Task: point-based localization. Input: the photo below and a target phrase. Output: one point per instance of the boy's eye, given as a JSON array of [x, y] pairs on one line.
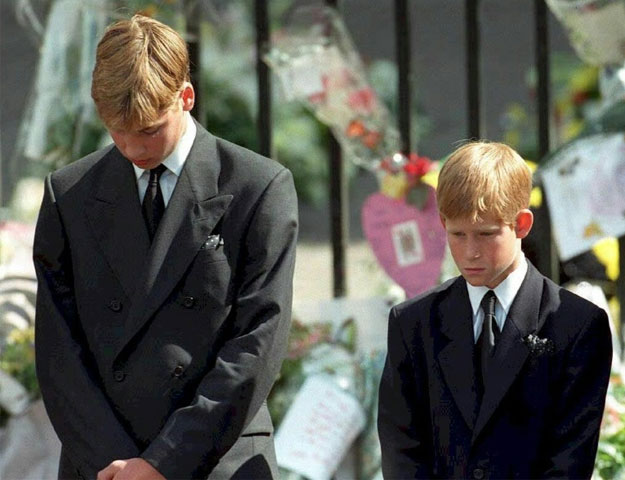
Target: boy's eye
[[457, 234], [487, 234], [151, 131]]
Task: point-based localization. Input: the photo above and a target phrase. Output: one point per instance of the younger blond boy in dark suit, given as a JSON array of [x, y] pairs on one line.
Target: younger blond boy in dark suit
[[498, 373]]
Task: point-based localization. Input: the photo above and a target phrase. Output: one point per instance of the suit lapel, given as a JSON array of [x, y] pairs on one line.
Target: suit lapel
[[457, 325], [193, 211], [525, 316], [114, 214]]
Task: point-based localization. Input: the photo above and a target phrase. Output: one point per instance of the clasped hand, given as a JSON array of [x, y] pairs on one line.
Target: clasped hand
[[130, 469]]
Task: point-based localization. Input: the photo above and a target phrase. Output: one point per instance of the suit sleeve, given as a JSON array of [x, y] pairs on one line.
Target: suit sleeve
[[196, 437], [402, 401], [572, 439], [83, 418]]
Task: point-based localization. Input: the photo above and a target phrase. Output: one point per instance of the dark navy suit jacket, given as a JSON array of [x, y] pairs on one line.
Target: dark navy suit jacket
[[542, 407]]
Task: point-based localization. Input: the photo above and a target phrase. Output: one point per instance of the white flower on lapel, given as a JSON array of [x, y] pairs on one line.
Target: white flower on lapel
[[212, 242], [538, 346]]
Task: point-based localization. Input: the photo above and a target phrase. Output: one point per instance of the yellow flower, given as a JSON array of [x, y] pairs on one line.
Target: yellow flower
[[606, 251]]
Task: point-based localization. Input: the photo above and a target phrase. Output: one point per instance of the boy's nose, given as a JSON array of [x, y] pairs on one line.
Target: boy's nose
[[134, 149], [473, 250]]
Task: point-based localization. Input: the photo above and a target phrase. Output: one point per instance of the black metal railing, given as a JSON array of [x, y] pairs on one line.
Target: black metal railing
[[545, 254]]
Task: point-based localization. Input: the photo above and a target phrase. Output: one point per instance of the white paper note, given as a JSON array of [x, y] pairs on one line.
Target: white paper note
[[318, 429]]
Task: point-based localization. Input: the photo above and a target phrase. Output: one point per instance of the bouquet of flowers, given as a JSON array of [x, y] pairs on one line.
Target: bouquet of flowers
[[318, 65], [325, 391]]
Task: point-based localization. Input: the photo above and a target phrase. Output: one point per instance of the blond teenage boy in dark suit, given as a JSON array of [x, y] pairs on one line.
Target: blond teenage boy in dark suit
[[498, 373], [165, 266]]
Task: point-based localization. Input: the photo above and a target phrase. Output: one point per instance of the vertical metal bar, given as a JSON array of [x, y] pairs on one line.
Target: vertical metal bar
[[473, 67], [620, 294], [263, 121], [548, 261], [542, 67], [402, 45], [338, 211], [193, 45]]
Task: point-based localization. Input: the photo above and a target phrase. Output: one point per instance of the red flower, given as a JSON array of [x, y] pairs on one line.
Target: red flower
[[417, 166], [371, 139], [386, 164], [579, 98]]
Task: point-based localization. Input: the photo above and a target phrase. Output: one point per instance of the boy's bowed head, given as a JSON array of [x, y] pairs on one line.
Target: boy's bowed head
[[141, 67], [483, 199], [141, 88]]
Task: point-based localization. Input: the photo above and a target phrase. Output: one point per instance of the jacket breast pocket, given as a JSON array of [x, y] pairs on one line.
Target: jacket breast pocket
[[208, 281], [211, 254]]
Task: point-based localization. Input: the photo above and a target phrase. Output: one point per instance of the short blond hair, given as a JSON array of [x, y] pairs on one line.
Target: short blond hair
[[141, 66], [484, 178]]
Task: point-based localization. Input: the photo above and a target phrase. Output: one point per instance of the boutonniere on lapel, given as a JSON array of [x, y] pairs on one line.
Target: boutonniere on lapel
[[212, 242], [538, 346]]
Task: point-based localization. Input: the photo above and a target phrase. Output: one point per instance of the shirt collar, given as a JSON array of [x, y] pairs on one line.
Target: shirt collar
[[505, 291], [175, 160]]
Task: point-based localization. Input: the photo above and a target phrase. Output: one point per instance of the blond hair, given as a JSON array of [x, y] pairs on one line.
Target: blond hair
[[141, 66], [484, 178]]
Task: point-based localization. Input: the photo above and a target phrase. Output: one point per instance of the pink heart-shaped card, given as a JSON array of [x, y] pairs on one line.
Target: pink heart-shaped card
[[409, 243]]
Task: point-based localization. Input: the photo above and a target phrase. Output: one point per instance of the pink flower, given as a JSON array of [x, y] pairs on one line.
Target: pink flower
[[363, 99]]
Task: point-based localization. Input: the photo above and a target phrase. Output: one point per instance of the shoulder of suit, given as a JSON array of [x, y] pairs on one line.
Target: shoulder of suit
[[569, 310], [67, 176], [423, 302], [246, 161]]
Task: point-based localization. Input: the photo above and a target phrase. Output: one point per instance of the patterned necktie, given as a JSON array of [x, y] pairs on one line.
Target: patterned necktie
[[153, 205], [490, 333]]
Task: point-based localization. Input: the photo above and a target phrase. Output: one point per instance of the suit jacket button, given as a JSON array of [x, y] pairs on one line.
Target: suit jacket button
[[188, 302], [119, 376], [115, 305], [478, 474], [178, 371]]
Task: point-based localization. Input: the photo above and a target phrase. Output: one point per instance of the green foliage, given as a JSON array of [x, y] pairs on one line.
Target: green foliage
[[300, 144], [18, 359], [610, 461], [575, 93], [228, 113], [383, 76]]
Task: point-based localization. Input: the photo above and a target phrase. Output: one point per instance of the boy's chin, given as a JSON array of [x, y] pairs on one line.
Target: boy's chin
[[481, 282]]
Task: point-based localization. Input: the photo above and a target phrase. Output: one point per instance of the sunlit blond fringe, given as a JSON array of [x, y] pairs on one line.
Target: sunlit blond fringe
[[484, 178], [141, 65]]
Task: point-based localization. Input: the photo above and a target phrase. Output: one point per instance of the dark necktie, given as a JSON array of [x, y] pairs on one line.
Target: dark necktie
[[153, 205], [490, 333]]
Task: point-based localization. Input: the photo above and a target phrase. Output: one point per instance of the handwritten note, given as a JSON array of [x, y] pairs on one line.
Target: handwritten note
[[318, 429], [584, 184]]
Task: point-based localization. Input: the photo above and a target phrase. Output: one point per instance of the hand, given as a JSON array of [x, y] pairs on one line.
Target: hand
[[131, 469]]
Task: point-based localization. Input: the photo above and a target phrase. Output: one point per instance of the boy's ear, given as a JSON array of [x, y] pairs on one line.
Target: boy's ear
[[524, 222], [188, 97], [440, 215]]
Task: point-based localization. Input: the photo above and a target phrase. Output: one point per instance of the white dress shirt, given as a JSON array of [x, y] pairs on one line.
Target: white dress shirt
[[174, 163], [506, 291]]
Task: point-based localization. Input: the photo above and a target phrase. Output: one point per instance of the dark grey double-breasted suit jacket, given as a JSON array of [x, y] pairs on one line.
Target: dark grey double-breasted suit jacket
[[165, 351], [542, 407]]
